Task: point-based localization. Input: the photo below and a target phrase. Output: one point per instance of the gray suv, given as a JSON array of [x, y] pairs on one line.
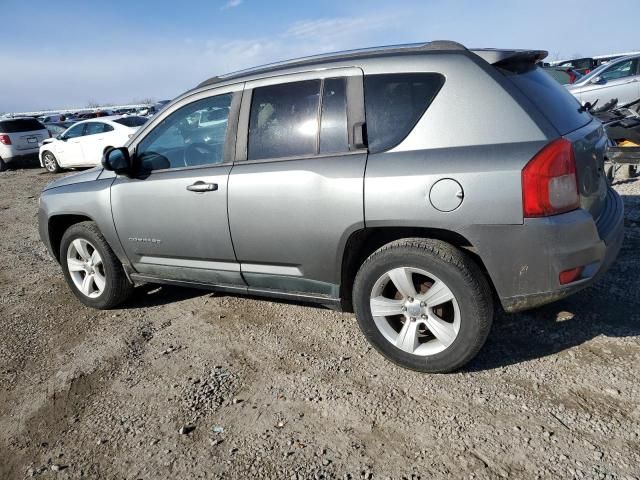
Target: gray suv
[[419, 186]]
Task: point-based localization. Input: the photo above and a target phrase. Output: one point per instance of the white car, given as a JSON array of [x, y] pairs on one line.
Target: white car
[[20, 137], [83, 144]]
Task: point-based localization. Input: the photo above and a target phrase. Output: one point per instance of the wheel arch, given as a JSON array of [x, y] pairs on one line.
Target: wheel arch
[[58, 224], [364, 242]]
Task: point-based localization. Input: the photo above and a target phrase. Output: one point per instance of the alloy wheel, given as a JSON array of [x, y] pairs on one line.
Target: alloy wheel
[[86, 268], [415, 311]]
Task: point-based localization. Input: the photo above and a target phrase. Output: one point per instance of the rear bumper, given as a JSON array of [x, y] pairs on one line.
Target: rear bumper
[[20, 155], [525, 262]]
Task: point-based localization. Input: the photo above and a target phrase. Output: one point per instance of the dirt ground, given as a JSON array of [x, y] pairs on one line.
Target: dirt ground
[[188, 384]]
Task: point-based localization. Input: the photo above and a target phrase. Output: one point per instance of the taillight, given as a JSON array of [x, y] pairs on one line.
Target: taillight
[[5, 139], [572, 77], [549, 181], [570, 276]]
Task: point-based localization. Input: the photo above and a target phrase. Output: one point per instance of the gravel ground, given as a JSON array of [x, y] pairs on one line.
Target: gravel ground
[[188, 384]]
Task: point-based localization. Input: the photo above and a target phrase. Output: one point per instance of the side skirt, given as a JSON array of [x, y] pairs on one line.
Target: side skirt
[[324, 300]]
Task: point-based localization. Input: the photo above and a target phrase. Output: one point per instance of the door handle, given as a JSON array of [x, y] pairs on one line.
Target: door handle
[[202, 187]]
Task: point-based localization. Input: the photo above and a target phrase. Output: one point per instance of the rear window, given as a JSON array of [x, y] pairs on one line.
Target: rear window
[[394, 103], [552, 99], [131, 121], [20, 125]]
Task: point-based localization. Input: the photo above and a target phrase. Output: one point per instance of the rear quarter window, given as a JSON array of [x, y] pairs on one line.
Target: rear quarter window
[[394, 103], [17, 125], [552, 99]]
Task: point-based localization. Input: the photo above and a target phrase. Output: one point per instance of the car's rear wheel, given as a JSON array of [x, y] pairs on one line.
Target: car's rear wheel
[[50, 162], [91, 269], [3, 165], [423, 304]]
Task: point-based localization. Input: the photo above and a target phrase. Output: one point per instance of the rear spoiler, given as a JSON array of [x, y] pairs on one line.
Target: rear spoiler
[[499, 57]]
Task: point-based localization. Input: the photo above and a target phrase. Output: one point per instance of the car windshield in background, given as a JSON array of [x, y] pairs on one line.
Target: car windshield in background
[[131, 121], [552, 99], [20, 125]]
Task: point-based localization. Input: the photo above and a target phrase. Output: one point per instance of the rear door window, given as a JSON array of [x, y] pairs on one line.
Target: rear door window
[[17, 125], [394, 103], [284, 120], [553, 100]]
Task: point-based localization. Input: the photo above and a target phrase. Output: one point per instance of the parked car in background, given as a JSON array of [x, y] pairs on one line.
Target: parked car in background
[[581, 65], [132, 120], [619, 79], [20, 137], [57, 128], [338, 179], [52, 118], [83, 144], [563, 75]]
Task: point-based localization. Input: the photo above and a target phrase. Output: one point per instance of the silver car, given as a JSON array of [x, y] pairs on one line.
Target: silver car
[[618, 79], [420, 186]]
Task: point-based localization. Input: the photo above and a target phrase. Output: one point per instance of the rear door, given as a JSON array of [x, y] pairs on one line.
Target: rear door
[[296, 189]]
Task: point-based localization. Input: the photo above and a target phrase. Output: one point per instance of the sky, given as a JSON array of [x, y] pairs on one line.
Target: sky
[[68, 54]]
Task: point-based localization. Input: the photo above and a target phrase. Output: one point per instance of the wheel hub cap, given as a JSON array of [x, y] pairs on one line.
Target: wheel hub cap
[[414, 309]]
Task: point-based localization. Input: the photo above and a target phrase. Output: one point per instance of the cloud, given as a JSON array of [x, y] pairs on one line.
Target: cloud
[[161, 67], [231, 4]]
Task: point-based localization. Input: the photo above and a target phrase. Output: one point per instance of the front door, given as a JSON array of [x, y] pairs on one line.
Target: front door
[[172, 217], [69, 148], [296, 193]]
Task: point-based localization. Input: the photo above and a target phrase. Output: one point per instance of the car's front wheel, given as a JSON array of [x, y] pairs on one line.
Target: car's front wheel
[[423, 304], [91, 269], [50, 162]]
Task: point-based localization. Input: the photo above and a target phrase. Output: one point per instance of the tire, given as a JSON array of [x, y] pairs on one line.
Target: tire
[[453, 274], [50, 162], [108, 273], [3, 165]]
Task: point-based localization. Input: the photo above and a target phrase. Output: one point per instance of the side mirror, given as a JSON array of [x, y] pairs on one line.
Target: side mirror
[[61, 137], [117, 160], [597, 80]]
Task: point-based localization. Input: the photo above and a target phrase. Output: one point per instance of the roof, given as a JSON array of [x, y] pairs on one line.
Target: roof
[[490, 55]]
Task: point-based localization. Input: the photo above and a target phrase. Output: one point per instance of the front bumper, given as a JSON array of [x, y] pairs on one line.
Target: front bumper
[[524, 261]]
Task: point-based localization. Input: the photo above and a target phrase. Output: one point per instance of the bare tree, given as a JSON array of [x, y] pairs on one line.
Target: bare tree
[[144, 101], [92, 104]]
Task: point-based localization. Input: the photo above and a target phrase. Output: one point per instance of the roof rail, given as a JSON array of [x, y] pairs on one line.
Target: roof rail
[[436, 45]]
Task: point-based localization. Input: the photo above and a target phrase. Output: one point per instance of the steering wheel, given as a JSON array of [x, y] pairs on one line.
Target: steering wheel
[[197, 154]]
